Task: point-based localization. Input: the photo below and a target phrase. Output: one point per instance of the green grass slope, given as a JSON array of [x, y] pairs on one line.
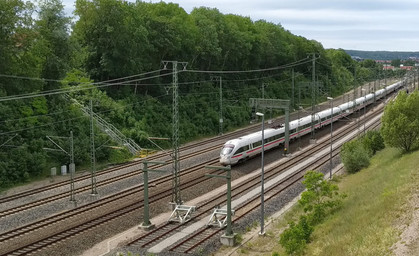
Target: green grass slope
[[368, 223], [377, 198]]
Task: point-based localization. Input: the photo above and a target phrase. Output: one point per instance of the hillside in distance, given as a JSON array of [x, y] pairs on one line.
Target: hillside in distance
[[383, 55]]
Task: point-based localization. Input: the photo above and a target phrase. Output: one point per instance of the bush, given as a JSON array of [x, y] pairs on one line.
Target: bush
[[320, 198], [373, 142], [295, 238], [119, 156], [354, 156]]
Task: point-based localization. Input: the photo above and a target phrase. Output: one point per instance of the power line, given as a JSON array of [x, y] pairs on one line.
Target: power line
[[133, 104], [49, 124], [63, 80], [37, 116], [293, 64], [88, 86], [105, 84]]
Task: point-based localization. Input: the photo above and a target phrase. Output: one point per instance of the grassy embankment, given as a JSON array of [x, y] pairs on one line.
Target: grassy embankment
[[367, 223]]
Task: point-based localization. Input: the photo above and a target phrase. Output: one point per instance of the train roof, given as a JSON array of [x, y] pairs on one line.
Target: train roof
[[256, 136]]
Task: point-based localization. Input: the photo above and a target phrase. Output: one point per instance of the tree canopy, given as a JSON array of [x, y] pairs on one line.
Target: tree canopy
[[114, 49], [400, 121]]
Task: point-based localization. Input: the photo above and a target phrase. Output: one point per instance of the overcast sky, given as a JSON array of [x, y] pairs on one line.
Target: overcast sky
[[373, 25]]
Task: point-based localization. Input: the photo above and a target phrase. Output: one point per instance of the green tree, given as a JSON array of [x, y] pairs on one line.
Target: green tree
[[342, 67], [400, 121], [53, 28], [320, 196], [396, 63], [209, 26], [354, 156]]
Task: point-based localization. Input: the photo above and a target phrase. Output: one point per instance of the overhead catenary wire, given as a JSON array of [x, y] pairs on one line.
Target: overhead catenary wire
[[87, 86], [293, 64], [106, 84], [49, 124], [32, 117], [63, 80], [42, 125], [163, 95]]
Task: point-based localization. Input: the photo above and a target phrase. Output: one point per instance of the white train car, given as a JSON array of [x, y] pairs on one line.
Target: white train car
[[245, 147]]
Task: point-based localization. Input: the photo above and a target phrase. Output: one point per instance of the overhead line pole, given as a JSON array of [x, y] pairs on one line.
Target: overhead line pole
[[219, 78], [72, 167], [221, 106], [292, 89], [176, 196], [93, 150], [313, 95]]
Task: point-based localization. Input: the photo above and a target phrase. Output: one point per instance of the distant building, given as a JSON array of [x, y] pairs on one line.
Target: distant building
[[388, 67], [406, 67]]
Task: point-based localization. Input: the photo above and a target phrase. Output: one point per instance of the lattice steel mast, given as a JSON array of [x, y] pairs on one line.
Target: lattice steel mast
[[176, 196]]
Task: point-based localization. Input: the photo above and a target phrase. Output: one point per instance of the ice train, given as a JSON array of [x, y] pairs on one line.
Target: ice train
[[237, 150]]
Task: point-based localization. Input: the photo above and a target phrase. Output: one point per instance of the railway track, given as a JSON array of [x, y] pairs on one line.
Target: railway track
[[203, 234], [108, 181], [157, 156], [221, 139], [73, 231], [116, 199]]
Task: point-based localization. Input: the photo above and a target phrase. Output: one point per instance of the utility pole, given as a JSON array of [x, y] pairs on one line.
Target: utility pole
[[221, 106], [218, 78], [229, 236], [292, 89], [72, 167], [176, 197], [146, 223], [71, 154], [313, 95], [355, 88], [93, 150]]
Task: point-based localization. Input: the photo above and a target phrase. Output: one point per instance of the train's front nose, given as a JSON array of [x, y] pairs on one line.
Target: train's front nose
[[225, 154], [225, 160]]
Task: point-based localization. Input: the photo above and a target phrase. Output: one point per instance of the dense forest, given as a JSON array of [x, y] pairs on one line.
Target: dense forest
[[113, 53]]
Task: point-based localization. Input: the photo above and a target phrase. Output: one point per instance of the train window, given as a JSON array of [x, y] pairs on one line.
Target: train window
[[257, 144], [227, 149], [242, 149]]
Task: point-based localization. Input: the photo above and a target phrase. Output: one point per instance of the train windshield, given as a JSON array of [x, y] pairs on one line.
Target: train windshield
[[227, 149]]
